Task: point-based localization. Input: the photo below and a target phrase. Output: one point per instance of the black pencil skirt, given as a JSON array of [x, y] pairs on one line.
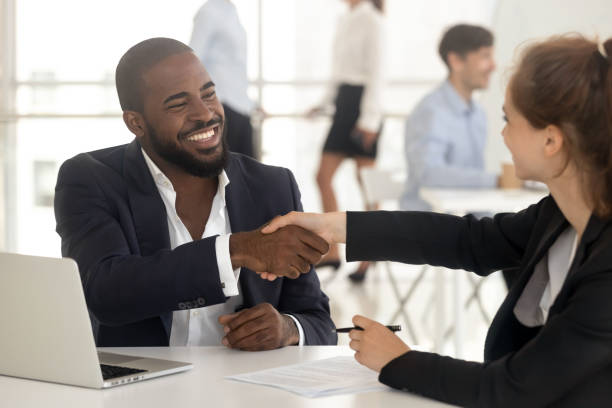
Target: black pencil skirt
[[341, 138]]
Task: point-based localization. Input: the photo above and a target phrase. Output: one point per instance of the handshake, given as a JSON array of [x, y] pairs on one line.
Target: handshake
[[287, 245]]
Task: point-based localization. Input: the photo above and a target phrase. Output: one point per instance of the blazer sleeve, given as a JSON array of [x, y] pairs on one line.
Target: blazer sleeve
[[304, 299], [572, 347], [477, 245], [121, 286]]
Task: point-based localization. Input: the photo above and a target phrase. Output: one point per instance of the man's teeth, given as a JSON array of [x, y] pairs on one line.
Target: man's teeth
[[202, 136]]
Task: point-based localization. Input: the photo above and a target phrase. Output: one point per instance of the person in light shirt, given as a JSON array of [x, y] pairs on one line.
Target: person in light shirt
[[354, 89], [165, 229], [219, 40], [550, 343], [445, 134]]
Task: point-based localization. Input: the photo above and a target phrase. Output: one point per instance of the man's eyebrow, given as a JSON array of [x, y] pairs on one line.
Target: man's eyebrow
[[175, 96], [179, 95]]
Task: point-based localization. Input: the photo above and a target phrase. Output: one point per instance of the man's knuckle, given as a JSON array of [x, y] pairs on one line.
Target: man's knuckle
[[260, 337]]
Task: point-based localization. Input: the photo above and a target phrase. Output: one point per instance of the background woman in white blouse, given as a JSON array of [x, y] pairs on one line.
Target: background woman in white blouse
[[355, 88]]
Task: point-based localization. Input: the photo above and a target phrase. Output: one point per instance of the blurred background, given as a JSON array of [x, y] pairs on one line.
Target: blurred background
[[58, 98]]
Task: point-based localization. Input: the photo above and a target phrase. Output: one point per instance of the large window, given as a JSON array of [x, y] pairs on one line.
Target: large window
[[60, 98]]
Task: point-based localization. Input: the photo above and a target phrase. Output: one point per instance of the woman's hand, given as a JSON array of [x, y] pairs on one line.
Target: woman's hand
[[367, 138], [314, 112], [329, 226], [375, 345]]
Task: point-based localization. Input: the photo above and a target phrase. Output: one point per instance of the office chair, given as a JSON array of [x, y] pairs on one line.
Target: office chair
[[380, 185]]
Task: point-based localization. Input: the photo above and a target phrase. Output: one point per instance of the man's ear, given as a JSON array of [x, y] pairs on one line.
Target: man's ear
[[455, 62], [554, 139], [135, 122]]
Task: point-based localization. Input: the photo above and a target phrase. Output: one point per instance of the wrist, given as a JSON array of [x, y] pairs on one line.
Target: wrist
[[340, 223], [292, 336], [238, 249]]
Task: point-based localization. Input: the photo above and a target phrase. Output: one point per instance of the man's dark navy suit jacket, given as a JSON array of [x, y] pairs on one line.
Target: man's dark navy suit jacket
[[113, 222]]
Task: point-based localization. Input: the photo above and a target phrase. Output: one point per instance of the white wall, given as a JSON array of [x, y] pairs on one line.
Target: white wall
[[518, 21]]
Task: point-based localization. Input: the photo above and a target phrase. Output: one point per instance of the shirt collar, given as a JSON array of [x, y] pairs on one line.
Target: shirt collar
[[224, 3], [457, 103], [164, 182]]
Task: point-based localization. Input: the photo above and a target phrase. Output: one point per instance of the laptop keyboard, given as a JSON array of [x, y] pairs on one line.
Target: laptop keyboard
[[111, 371]]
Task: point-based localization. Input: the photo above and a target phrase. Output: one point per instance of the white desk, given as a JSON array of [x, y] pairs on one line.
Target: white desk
[[461, 202], [203, 386]]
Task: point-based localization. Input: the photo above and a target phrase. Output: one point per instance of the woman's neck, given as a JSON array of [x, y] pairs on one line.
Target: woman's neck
[[569, 196], [353, 3]]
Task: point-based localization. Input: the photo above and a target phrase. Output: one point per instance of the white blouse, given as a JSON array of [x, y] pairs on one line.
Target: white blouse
[[547, 280], [357, 60]]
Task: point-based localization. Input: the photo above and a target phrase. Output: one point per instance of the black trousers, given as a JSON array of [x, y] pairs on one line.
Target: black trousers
[[239, 132]]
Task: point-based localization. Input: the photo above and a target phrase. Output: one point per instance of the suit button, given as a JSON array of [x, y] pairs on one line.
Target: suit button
[[182, 306], [201, 301]]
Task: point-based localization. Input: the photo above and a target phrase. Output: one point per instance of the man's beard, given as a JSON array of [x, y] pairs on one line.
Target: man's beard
[[185, 160]]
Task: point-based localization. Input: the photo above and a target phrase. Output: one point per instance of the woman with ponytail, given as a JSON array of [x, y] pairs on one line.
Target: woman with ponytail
[[355, 92], [550, 343]]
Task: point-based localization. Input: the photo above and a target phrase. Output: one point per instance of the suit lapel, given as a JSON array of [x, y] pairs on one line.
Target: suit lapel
[[238, 198], [504, 320], [148, 210], [555, 226], [241, 211], [592, 231]]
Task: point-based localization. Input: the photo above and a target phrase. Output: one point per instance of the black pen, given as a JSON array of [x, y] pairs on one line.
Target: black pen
[[393, 328]]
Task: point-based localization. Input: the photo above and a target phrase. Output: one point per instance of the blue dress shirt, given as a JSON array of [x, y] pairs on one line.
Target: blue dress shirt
[[219, 40], [445, 138]]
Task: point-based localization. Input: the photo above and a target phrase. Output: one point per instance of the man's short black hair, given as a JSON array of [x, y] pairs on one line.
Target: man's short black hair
[[135, 62], [462, 39]]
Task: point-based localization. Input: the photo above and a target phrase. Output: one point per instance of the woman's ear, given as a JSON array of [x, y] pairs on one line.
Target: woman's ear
[[554, 139], [135, 122]]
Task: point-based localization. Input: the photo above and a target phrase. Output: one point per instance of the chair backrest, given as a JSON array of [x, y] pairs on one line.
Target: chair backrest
[[382, 184]]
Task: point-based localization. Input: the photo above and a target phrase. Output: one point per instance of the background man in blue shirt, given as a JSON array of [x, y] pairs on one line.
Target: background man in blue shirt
[[446, 132], [219, 40]]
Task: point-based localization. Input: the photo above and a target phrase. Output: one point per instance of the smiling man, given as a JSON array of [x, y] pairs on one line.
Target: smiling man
[[447, 130], [165, 230]]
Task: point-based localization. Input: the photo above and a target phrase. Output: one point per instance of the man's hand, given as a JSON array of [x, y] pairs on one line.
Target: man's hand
[[259, 328], [287, 252], [375, 345]]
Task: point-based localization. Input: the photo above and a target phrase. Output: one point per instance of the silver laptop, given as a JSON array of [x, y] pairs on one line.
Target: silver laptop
[[45, 332]]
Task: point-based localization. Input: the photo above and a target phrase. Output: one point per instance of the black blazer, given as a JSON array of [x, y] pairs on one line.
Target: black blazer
[[565, 363], [113, 222]]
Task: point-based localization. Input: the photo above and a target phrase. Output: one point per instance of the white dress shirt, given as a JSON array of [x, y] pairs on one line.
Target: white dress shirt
[[445, 139], [200, 327], [357, 60], [548, 277]]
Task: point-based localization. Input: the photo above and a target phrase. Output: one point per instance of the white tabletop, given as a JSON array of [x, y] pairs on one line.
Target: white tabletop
[[463, 201], [204, 385]]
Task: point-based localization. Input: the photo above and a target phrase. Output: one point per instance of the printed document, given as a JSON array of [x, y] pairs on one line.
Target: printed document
[[331, 376]]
